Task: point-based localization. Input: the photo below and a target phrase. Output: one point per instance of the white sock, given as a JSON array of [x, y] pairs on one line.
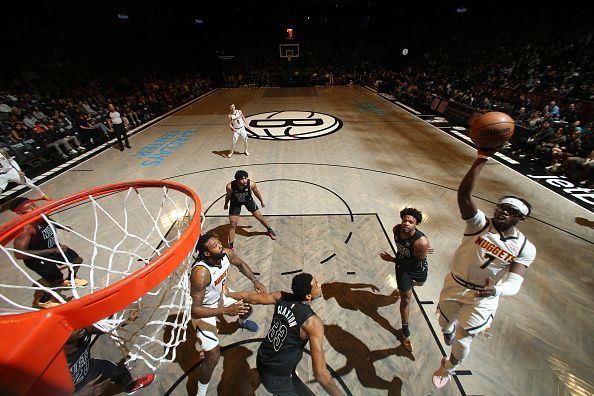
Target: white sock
[[202, 389], [449, 366], [448, 329]]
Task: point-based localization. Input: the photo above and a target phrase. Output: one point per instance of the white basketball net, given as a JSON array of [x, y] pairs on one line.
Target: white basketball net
[[115, 236]]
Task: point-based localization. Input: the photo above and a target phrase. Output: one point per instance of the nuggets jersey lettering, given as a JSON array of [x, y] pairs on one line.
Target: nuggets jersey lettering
[[484, 252], [218, 277], [237, 120]]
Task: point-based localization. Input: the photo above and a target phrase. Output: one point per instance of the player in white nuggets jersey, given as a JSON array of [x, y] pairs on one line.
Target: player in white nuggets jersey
[[208, 286], [490, 262], [237, 123]]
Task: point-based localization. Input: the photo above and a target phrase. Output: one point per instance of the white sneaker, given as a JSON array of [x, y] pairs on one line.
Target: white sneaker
[[441, 376], [81, 148], [73, 152], [246, 153]]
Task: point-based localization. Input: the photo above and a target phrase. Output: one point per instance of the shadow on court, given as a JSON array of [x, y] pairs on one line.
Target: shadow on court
[[238, 378], [222, 232], [361, 359], [350, 296]]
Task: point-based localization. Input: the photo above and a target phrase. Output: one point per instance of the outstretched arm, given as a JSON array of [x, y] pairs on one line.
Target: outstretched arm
[[245, 270], [257, 192], [467, 207], [314, 327], [255, 298]]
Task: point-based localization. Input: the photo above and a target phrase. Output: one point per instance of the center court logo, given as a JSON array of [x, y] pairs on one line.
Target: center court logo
[[291, 125]]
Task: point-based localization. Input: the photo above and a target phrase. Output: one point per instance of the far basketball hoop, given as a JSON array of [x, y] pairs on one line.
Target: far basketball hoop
[[289, 51]]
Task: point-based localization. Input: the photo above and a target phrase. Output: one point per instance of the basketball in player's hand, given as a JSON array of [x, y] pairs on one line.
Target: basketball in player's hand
[[491, 130]]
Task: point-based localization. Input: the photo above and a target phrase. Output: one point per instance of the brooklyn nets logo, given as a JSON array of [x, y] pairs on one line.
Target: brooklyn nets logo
[[291, 125]]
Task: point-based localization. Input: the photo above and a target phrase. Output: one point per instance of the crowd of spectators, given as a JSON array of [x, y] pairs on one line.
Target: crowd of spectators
[[542, 75], [38, 129]]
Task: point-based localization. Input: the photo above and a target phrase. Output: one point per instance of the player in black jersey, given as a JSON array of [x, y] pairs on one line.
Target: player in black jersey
[[91, 376], [412, 247], [239, 192], [38, 239], [294, 323]]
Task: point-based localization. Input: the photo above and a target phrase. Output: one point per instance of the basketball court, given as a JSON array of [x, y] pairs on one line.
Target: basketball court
[[335, 165]]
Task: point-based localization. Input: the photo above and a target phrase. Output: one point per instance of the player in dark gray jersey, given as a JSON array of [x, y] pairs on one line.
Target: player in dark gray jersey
[[294, 323], [412, 247], [38, 247], [91, 376], [239, 193]]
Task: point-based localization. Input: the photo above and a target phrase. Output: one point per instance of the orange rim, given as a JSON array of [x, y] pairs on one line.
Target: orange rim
[[31, 358]]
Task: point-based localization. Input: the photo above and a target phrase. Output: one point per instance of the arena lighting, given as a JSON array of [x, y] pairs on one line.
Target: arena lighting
[[123, 16]]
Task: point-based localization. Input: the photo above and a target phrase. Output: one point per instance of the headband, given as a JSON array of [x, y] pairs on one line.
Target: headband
[[516, 203]]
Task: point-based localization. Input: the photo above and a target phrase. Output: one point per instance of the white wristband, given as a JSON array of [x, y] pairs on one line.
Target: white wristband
[[510, 286]]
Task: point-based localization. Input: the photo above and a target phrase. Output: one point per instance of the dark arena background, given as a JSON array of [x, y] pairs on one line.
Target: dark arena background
[[353, 110]]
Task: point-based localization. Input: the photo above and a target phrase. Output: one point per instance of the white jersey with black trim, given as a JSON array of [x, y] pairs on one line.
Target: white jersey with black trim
[[484, 252], [218, 277], [237, 119]]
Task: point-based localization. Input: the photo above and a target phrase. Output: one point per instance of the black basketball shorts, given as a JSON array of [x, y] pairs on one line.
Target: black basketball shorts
[[405, 278], [235, 208]]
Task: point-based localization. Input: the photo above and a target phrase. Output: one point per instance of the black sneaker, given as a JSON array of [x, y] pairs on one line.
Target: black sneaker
[[272, 234]]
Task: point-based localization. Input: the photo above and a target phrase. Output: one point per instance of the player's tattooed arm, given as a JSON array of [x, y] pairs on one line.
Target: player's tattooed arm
[[245, 270]]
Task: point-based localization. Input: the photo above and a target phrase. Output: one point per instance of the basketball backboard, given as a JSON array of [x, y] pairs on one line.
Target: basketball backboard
[[289, 50]]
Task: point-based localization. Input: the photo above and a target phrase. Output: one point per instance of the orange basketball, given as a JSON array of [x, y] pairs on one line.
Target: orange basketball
[[491, 129]]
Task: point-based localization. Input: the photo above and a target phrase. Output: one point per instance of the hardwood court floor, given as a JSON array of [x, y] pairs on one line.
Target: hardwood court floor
[[333, 200]]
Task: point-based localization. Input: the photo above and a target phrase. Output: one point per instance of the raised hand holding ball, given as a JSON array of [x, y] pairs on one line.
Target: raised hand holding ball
[[491, 130]]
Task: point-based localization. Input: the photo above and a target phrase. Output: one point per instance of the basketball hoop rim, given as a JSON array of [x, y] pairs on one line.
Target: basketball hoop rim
[[32, 361], [102, 303]]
